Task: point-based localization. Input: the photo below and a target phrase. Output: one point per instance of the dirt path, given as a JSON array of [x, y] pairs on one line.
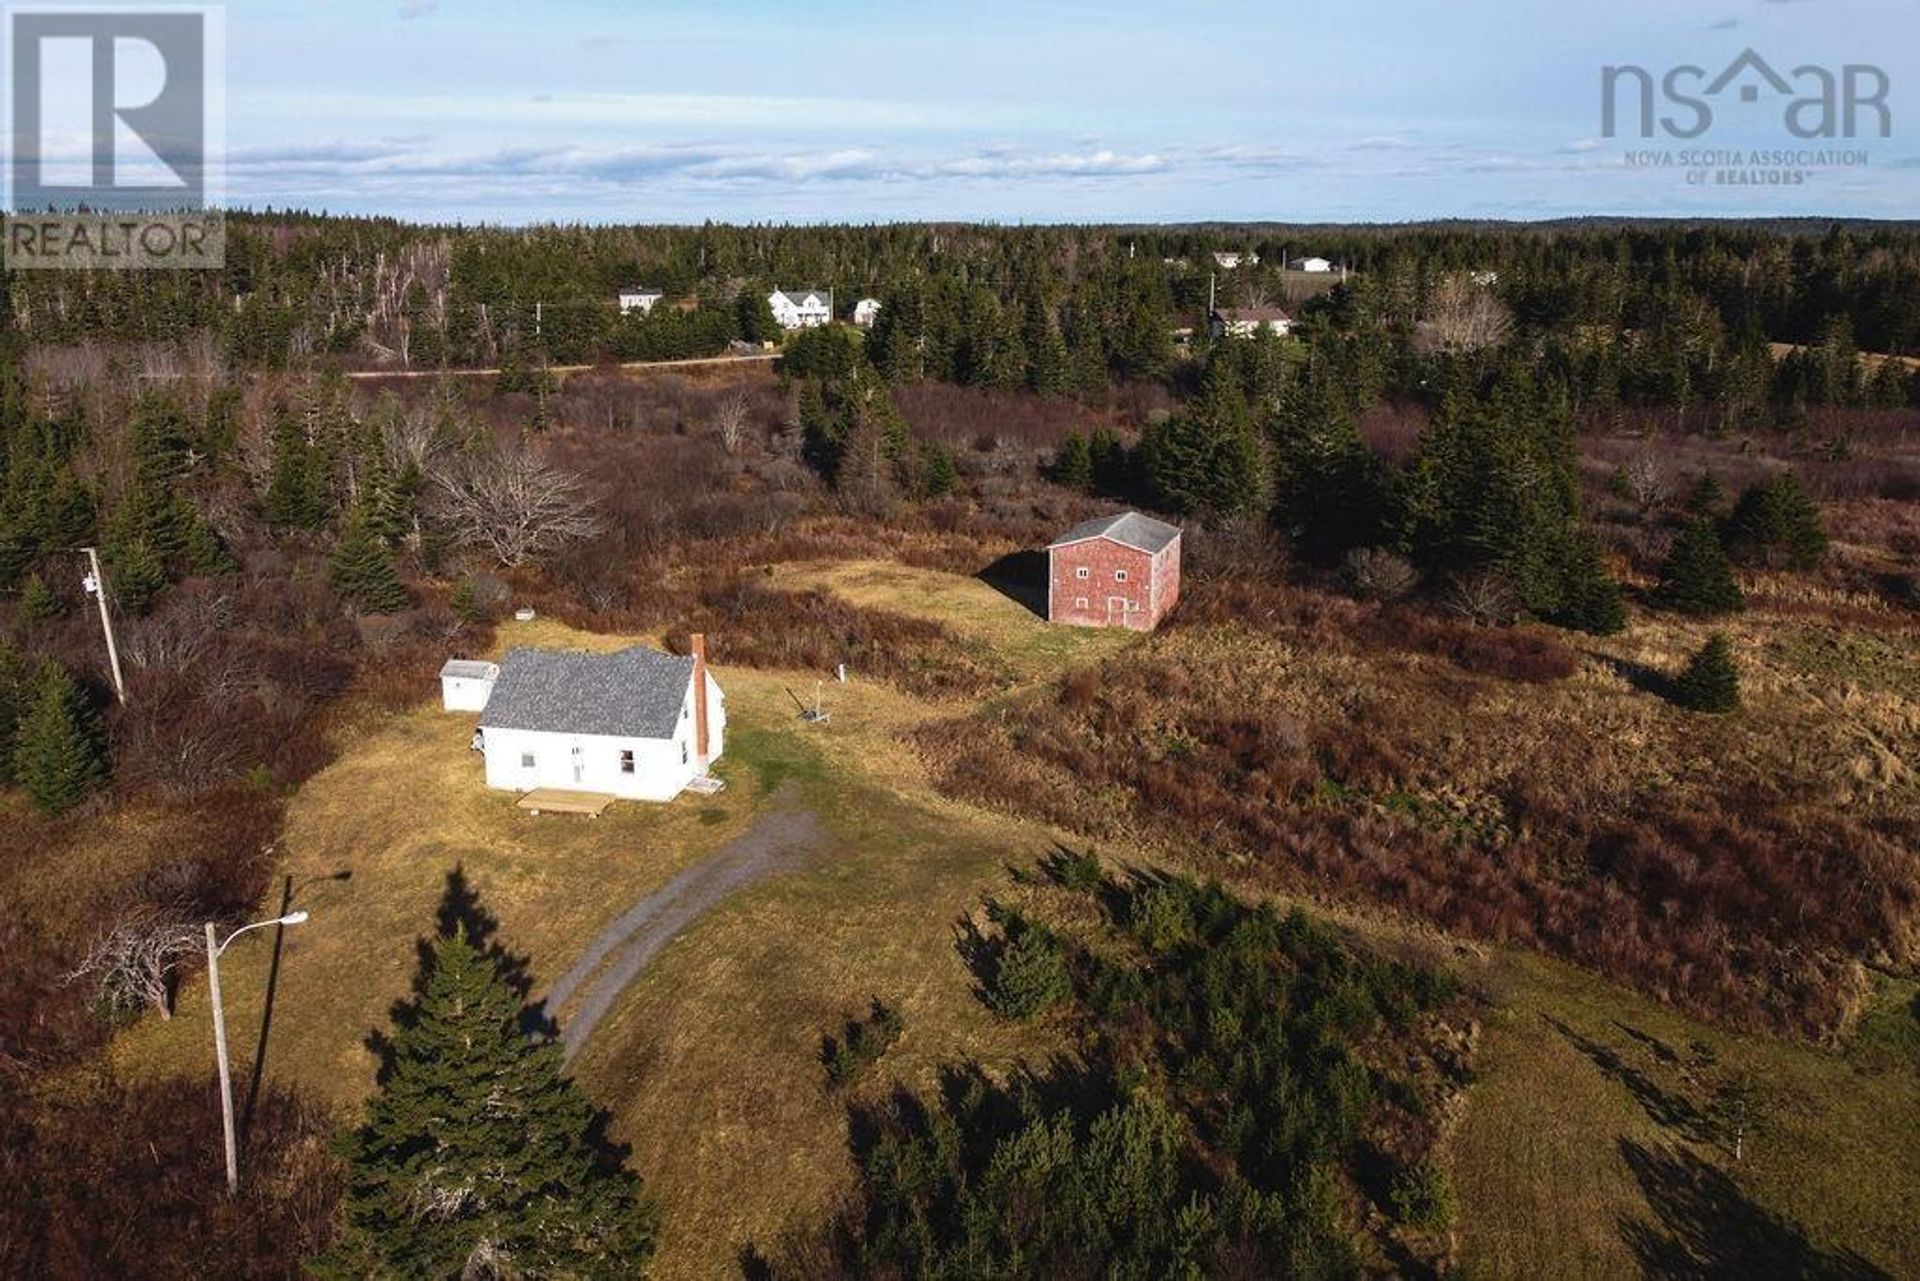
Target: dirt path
[[779, 841]]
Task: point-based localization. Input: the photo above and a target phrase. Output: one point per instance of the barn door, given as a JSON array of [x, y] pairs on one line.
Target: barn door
[[1117, 611]]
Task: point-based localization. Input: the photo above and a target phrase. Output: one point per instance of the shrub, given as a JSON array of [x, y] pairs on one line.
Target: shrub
[[1374, 573], [1030, 973], [1422, 1196], [863, 1042], [1711, 682]]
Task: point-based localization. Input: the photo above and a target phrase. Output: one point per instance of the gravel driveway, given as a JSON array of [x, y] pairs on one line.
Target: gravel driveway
[[779, 841]]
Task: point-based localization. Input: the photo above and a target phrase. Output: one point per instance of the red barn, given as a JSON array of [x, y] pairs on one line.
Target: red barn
[[1118, 571]]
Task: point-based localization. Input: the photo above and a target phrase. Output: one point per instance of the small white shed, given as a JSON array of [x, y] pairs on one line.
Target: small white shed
[[465, 684]]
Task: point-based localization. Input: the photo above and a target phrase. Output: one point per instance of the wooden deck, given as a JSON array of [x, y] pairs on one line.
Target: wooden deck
[[558, 800]]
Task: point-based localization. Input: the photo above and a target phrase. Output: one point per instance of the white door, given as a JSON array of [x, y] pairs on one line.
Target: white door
[[1117, 611], [579, 764]]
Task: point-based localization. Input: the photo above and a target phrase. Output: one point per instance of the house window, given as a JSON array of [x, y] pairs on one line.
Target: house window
[[626, 761], [1083, 572], [683, 753], [1119, 575], [526, 760]]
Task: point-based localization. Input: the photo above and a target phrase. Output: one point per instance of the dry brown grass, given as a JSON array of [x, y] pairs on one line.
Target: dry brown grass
[[709, 1061]]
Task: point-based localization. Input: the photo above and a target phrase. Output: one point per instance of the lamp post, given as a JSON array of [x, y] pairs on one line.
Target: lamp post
[[214, 949]]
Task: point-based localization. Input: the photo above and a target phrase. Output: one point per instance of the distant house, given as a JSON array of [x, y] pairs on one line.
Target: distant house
[[1484, 277], [801, 308], [639, 298], [1118, 571], [1230, 261], [638, 723], [1316, 266], [865, 312], [465, 684], [1245, 322]]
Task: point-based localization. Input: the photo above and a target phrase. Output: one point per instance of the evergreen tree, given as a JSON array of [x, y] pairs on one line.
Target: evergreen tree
[[1072, 464], [296, 495], [363, 573], [478, 1155], [38, 603], [58, 752], [1707, 496], [1696, 578], [17, 687], [1711, 682], [134, 575], [1207, 461], [1330, 496], [753, 316], [1776, 522]]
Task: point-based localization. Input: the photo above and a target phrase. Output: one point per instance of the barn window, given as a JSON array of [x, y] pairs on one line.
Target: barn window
[[626, 761], [1079, 602], [526, 760], [1083, 572], [1119, 575]]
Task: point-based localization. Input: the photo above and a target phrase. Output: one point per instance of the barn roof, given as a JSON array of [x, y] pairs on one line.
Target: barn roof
[[470, 669], [1129, 529], [635, 693]]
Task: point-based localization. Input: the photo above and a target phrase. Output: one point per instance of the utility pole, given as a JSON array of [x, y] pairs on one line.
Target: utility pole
[[214, 949], [96, 583]]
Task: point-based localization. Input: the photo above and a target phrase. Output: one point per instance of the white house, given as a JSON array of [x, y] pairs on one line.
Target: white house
[[1230, 261], [1245, 322], [801, 308], [639, 298], [637, 724], [465, 684], [865, 312], [1315, 266]]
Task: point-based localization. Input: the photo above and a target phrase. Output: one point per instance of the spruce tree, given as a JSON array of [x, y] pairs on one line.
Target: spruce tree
[[1776, 522], [363, 573], [1696, 578], [478, 1155], [1711, 682], [1072, 465], [1707, 496], [58, 754], [38, 603], [135, 574]]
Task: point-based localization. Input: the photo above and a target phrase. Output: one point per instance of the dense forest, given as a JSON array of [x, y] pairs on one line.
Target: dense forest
[[1479, 448]]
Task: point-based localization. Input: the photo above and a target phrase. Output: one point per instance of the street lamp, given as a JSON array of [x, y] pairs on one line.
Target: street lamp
[[220, 1034]]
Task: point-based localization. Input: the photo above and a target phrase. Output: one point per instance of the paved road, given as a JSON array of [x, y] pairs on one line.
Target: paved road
[[779, 841], [569, 369]]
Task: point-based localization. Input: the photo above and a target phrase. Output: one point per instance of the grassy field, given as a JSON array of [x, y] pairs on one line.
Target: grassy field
[[1569, 1160]]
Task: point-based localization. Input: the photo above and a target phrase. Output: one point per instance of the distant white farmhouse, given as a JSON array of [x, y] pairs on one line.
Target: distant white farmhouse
[[865, 312], [1316, 266], [1231, 261], [639, 298], [1245, 322], [465, 684], [637, 724], [801, 308], [1484, 277]]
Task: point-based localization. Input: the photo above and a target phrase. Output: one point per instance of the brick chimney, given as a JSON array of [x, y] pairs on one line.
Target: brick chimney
[[699, 647]]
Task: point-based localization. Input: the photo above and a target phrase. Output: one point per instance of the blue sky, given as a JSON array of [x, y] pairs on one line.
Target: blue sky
[[807, 110]]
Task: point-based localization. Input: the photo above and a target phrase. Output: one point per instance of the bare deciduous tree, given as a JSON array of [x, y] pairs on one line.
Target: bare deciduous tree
[[1463, 316], [136, 961], [514, 505], [1646, 479], [730, 421]]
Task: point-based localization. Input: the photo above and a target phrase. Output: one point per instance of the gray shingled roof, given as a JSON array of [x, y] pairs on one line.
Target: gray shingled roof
[[636, 693], [1129, 529]]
